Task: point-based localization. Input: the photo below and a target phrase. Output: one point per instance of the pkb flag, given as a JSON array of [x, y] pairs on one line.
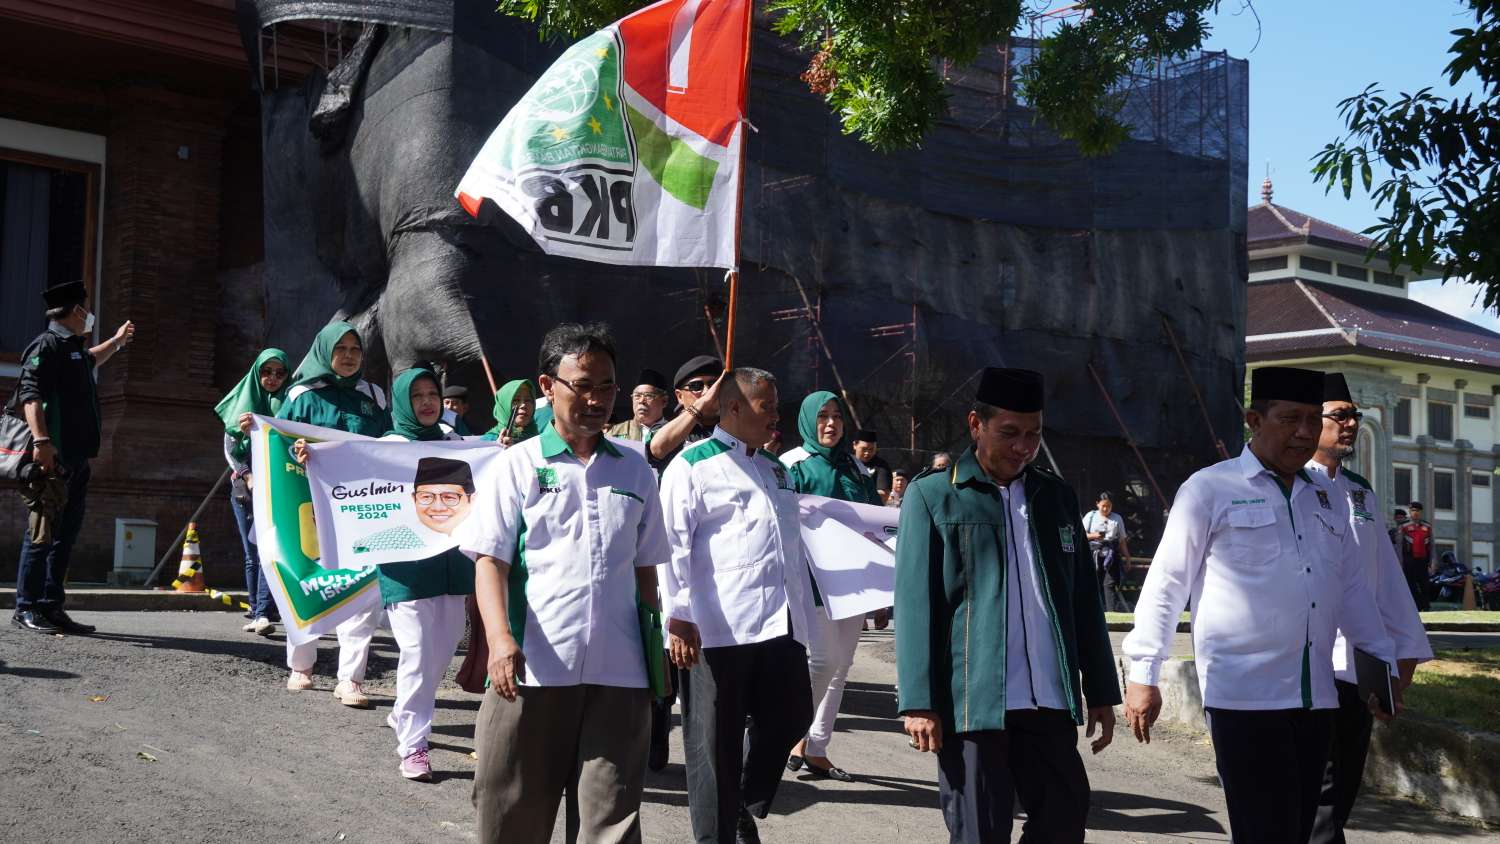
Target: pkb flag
[[627, 150]]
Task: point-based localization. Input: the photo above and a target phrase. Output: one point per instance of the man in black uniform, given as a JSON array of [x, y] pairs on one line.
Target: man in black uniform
[[55, 395]]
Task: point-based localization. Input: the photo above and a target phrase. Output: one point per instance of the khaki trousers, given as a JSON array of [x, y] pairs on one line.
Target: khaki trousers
[[586, 742]]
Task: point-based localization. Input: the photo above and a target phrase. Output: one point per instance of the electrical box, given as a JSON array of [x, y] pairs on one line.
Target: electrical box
[[135, 551]]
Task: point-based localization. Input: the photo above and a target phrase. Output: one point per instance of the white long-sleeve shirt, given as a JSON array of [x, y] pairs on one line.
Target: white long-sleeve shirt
[[1272, 577], [1398, 612], [736, 567]]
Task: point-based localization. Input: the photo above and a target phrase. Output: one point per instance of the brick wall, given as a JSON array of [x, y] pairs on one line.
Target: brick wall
[[165, 239]]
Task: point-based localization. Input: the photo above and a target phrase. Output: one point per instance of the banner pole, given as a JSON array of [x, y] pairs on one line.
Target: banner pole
[[739, 196]]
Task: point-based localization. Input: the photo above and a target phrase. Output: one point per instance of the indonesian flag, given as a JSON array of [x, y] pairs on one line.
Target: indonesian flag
[[627, 150]]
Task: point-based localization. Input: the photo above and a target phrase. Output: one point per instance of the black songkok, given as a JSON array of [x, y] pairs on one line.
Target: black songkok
[[1016, 390], [444, 470], [1335, 388], [1287, 383], [65, 295]]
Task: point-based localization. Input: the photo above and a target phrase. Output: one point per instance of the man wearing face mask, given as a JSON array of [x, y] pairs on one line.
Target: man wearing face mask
[[1002, 651], [55, 395], [1273, 571]]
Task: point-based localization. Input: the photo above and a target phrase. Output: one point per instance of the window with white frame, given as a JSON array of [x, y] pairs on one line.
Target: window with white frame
[[1443, 489], [1401, 423]]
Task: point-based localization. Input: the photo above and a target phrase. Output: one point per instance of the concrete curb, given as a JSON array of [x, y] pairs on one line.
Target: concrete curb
[[1431, 627], [1433, 762], [136, 600]]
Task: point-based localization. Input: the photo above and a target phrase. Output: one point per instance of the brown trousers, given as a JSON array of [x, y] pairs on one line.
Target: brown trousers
[[586, 742]]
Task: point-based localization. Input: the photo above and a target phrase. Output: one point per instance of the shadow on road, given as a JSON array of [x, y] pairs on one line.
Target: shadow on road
[[35, 673], [1108, 811]]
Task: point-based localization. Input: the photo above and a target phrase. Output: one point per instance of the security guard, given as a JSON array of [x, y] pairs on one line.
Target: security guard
[[1352, 720], [1000, 616], [55, 395], [1273, 571]]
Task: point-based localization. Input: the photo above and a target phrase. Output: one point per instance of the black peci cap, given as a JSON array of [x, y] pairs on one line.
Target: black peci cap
[[65, 294], [1287, 383], [865, 435], [444, 470], [456, 392], [655, 379], [1335, 388], [1017, 390]]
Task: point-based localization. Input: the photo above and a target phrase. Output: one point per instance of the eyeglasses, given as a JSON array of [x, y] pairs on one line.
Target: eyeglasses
[[695, 387], [589, 391], [273, 373], [449, 499], [646, 395], [1344, 417]]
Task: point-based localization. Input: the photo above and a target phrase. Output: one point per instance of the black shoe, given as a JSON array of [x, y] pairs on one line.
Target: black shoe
[[33, 620], [744, 828], [834, 773], [661, 727], [794, 763], [60, 618]]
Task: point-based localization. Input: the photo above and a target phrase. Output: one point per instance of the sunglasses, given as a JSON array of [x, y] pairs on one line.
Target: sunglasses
[[1344, 417], [695, 387]]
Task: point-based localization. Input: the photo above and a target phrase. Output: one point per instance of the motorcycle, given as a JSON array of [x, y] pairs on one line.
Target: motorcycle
[[1447, 583]]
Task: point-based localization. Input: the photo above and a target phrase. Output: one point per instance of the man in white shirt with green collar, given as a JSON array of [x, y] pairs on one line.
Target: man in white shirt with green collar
[[738, 607], [566, 539], [1269, 565]]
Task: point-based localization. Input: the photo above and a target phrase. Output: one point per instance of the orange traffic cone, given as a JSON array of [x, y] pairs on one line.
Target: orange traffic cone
[[190, 573]]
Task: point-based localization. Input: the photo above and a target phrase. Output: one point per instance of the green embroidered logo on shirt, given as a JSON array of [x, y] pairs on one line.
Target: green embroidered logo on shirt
[[1065, 533], [546, 479]]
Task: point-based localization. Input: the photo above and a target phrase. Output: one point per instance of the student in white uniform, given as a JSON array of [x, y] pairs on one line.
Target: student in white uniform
[[1270, 564], [738, 605], [424, 599], [566, 541], [1398, 612]]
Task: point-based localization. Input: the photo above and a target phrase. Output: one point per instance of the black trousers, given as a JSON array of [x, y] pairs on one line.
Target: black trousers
[[730, 764], [43, 570], [1346, 765], [1110, 570], [1271, 766], [980, 775], [1418, 581]]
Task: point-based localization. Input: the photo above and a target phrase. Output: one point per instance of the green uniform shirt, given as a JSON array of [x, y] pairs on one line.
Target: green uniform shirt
[[950, 597]]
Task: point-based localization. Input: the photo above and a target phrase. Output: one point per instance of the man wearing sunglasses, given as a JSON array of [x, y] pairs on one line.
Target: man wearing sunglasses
[[697, 389], [1377, 560]]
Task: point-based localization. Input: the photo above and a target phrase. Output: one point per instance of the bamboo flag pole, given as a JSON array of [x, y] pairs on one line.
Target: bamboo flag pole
[[739, 196]]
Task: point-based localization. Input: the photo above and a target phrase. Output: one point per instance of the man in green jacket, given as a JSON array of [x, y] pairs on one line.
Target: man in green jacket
[[999, 616]]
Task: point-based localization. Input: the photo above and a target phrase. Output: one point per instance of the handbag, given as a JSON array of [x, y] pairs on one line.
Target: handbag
[[15, 445]]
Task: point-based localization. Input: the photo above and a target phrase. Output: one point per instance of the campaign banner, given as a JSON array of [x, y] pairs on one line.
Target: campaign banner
[[394, 501], [851, 549], [313, 597]]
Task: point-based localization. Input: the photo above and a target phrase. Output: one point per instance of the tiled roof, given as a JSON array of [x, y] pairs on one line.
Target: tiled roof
[[1293, 316], [1268, 223]]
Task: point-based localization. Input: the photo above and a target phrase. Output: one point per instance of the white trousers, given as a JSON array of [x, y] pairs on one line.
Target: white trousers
[[428, 631], [830, 653], [355, 633]]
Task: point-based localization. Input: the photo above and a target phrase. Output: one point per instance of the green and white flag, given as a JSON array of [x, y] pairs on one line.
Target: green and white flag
[[627, 150]]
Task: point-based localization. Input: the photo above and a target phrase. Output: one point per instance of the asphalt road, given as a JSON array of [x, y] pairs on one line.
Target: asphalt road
[[177, 727]]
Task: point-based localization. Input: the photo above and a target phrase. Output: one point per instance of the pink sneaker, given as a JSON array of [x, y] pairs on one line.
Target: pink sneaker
[[416, 767]]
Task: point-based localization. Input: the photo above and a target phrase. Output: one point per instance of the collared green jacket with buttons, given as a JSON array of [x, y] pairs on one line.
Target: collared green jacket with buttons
[[950, 597]]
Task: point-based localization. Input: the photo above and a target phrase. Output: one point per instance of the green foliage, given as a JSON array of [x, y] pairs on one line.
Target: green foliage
[[1442, 196], [880, 63], [1075, 81]]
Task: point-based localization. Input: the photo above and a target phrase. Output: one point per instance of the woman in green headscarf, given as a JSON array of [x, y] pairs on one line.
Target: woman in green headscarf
[[261, 392], [825, 465], [328, 390], [424, 599], [515, 414]]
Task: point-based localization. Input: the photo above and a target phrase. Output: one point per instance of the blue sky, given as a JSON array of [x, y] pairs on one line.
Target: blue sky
[[1314, 53]]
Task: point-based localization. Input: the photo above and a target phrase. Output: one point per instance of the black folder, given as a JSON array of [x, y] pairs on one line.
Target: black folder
[[1374, 675]]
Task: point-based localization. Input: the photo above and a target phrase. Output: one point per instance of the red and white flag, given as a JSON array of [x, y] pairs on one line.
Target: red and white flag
[[627, 149]]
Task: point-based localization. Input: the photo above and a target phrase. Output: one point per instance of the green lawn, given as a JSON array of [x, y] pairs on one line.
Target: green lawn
[[1460, 685], [1445, 616]]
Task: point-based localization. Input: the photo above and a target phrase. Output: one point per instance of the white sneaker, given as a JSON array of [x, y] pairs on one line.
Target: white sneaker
[[299, 681], [249, 627], [261, 626], [351, 693]]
